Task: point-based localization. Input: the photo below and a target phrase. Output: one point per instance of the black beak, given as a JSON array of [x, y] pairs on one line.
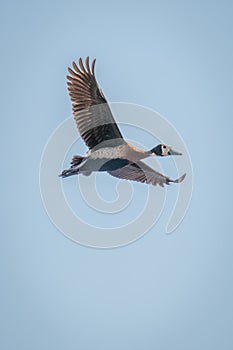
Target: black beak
[[174, 153]]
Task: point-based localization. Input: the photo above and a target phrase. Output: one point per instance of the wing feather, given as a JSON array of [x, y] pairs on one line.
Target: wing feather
[[91, 111], [141, 172]]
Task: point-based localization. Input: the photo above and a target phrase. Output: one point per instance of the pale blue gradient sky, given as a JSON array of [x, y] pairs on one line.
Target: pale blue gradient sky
[[161, 292]]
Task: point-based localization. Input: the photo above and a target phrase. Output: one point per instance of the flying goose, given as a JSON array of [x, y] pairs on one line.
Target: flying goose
[[108, 151]]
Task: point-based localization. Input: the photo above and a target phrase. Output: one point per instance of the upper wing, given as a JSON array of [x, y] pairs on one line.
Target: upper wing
[[141, 172], [92, 113]]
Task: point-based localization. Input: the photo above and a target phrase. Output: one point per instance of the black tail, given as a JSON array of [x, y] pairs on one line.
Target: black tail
[[76, 160], [73, 170], [69, 172]]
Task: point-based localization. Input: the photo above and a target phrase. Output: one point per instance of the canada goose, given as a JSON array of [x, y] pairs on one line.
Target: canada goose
[[108, 151]]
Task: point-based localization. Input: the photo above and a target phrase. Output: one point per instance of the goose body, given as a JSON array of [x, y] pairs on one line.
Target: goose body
[[108, 151], [121, 151]]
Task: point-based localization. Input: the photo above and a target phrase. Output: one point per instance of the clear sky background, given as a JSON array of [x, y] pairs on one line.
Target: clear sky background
[[163, 291]]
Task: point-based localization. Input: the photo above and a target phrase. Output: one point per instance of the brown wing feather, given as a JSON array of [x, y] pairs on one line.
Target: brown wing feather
[[92, 113], [141, 172]]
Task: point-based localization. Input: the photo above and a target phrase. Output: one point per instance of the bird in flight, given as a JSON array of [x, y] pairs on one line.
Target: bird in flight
[[108, 151]]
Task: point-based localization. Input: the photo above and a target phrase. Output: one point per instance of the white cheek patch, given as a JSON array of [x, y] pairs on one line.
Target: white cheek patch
[[165, 150]]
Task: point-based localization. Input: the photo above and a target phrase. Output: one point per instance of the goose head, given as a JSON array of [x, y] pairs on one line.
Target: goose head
[[164, 150]]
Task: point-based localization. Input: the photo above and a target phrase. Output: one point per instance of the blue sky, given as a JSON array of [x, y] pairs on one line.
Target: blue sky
[[163, 290]]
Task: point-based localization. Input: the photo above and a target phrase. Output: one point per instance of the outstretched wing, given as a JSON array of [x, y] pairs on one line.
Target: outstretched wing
[[92, 113], [141, 172]]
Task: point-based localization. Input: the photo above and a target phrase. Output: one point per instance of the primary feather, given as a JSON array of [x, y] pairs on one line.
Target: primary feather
[[92, 113]]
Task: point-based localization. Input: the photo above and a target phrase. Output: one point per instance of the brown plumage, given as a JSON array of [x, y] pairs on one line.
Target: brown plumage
[[92, 114], [141, 172], [108, 151]]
